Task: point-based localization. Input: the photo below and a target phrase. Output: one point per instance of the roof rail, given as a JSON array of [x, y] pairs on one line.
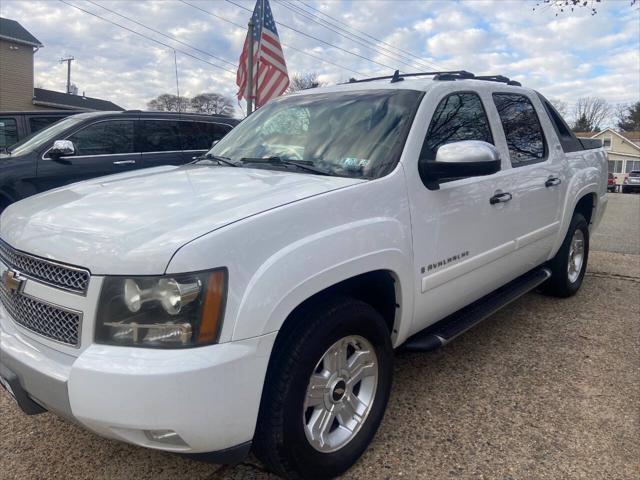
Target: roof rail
[[441, 76], [499, 78], [398, 77]]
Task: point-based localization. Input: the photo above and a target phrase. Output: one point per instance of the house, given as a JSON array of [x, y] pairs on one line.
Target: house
[[623, 149], [17, 49]]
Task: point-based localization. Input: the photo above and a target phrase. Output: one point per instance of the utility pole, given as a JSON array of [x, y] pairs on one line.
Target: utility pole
[[250, 70], [68, 60]]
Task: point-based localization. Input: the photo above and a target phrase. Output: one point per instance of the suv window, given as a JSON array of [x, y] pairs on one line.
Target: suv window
[[40, 122], [159, 136], [104, 138], [8, 132], [522, 128], [200, 135], [459, 116]]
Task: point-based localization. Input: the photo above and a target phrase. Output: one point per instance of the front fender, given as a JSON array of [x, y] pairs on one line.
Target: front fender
[[307, 266]]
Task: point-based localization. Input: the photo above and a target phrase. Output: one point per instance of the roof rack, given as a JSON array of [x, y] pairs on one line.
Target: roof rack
[[398, 77], [441, 76], [499, 78]]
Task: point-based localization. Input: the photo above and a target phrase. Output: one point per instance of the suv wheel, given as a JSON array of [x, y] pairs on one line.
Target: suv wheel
[[570, 263], [326, 390]]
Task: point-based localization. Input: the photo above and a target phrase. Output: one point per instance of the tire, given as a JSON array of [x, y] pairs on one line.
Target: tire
[[566, 281], [283, 439]]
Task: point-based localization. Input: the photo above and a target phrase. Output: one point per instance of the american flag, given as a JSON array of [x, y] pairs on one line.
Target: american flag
[[270, 77]]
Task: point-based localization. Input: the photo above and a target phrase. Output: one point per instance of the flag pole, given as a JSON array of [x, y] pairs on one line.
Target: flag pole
[[250, 70]]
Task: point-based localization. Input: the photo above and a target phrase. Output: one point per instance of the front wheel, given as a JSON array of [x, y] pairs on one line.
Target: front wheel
[[570, 263], [326, 390]]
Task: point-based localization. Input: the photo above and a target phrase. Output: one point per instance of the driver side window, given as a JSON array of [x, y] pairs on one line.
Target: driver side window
[[459, 116], [104, 138]]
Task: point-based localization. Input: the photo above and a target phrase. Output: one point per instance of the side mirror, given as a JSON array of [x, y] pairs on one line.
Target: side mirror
[[467, 158], [62, 148]]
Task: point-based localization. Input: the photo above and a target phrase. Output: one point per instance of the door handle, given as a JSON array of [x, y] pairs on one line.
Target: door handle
[[125, 162], [552, 181], [501, 197]]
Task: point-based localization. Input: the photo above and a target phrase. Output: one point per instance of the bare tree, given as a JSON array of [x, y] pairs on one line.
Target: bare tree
[[571, 6], [303, 81], [628, 117], [169, 103], [212, 104], [590, 112]]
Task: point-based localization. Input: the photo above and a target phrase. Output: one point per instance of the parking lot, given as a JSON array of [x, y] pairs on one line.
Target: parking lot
[[545, 389]]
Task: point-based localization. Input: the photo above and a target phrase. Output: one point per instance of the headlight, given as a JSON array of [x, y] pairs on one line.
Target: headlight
[[173, 311]]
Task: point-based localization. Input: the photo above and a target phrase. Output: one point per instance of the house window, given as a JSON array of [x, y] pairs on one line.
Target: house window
[[618, 167], [606, 143], [632, 165], [611, 167]]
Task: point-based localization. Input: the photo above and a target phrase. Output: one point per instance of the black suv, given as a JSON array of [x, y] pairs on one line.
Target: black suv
[[93, 144]]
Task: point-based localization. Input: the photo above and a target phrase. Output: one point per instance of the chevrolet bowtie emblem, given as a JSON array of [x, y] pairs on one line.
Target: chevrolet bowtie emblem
[[12, 281]]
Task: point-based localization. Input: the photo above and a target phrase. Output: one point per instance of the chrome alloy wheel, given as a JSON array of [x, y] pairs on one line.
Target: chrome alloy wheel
[[576, 256], [340, 393]]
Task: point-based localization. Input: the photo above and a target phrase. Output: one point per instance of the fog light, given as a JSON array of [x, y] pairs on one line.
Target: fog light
[[168, 437]]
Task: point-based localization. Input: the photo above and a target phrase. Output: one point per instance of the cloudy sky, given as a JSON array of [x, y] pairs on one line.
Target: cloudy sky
[[565, 57]]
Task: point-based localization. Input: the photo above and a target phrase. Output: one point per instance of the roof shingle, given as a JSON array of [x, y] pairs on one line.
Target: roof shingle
[[12, 30], [72, 102]]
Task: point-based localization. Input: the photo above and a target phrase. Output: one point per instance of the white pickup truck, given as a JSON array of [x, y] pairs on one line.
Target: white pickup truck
[[254, 298]]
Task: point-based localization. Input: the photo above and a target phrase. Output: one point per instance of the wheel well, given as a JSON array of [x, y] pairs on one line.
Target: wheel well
[[4, 202], [585, 206], [377, 288]]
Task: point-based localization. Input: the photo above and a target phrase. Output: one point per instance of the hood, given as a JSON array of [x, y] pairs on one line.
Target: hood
[[132, 223]]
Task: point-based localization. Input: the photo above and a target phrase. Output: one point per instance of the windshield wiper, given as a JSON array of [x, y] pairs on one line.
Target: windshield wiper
[[217, 158], [301, 164]]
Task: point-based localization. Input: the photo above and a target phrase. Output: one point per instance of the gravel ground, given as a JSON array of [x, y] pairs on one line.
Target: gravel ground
[[544, 389]]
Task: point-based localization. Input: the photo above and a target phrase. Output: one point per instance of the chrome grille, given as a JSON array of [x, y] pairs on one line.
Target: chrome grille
[[63, 276], [42, 318]]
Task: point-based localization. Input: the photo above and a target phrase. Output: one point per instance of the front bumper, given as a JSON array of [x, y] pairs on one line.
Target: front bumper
[[209, 396]]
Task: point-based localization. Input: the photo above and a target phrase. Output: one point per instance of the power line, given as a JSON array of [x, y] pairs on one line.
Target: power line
[[161, 33], [406, 52], [318, 39], [146, 36], [283, 44], [411, 63]]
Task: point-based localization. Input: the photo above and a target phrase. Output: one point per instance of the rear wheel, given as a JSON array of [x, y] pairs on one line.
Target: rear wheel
[[570, 263], [326, 390]]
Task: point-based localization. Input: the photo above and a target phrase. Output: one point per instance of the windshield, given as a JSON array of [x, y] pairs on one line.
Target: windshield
[[634, 174], [354, 134], [36, 140]]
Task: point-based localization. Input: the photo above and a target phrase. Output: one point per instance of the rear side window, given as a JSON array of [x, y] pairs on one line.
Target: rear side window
[[200, 135], [8, 132], [522, 129], [39, 122], [459, 116], [159, 136], [105, 138]]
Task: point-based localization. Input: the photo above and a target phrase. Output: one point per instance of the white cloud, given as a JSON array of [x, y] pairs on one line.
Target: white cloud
[[565, 57]]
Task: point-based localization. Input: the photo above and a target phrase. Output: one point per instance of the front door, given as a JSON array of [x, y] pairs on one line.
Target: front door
[[462, 241], [102, 148]]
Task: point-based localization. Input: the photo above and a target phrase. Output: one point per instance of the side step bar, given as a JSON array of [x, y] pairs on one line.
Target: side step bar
[[442, 332]]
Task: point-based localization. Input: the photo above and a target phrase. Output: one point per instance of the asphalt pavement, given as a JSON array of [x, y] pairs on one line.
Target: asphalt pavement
[[545, 389]]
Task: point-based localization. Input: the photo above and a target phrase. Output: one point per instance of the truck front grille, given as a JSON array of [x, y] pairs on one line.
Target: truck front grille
[[56, 274], [51, 321]]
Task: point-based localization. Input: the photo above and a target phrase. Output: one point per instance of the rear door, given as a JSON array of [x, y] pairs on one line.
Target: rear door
[[538, 184], [198, 137], [102, 148], [159, 142]]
